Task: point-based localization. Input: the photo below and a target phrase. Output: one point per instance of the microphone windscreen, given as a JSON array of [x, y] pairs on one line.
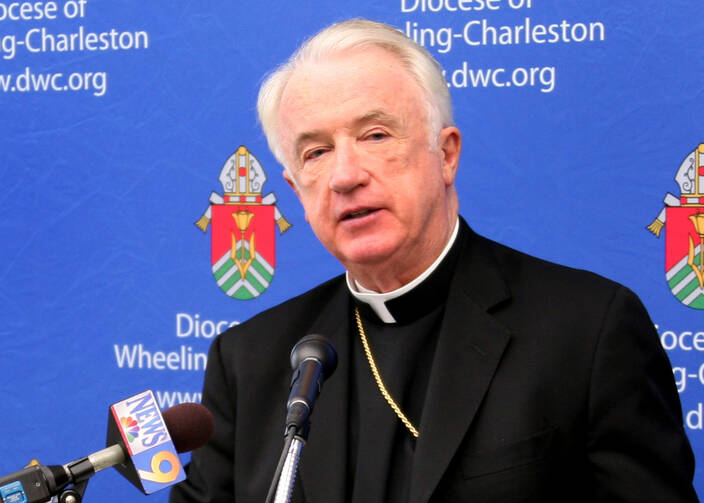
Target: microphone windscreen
[[317, 347], [190, 425]]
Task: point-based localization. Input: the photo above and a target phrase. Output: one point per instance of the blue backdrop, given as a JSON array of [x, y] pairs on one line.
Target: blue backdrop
[[117, 118]]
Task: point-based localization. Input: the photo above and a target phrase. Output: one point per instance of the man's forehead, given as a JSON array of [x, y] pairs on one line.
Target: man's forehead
[[372, 73], [357, 60], [347, 90]]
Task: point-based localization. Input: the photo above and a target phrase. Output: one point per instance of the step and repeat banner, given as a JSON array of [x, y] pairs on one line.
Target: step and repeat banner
[[124, 126]]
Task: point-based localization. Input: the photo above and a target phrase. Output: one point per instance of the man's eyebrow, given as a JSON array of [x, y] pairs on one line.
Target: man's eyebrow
[[376, 115]]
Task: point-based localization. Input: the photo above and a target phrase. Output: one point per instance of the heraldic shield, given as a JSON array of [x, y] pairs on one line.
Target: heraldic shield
[[243, 240], [243, 254], [683, 254]]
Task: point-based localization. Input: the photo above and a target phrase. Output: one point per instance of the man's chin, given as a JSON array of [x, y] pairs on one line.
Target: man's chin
[[373, 254]]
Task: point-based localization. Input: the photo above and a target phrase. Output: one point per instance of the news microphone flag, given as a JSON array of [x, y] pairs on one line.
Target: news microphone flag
[[138, 425]]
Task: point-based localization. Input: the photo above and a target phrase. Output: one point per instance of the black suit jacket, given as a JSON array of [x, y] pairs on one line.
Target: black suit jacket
[[548, 384]]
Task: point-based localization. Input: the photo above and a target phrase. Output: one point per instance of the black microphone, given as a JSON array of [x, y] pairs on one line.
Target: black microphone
[[313, 359], [190, 426]]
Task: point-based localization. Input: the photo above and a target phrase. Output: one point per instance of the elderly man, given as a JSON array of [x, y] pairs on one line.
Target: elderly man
[[467, 371]]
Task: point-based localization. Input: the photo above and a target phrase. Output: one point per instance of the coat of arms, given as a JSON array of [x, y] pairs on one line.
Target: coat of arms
[[684, 217], [243, 238]]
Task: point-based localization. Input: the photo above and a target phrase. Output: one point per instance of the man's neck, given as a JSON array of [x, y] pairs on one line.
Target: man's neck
[[390, 277], [377, 299]]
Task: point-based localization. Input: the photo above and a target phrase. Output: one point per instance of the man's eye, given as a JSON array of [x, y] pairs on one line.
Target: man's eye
[[377, 135], [314, 154]]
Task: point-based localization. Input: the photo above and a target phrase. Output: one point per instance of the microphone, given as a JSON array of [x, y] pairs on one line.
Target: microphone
[[137, 426], [313, 360], [182, 428]]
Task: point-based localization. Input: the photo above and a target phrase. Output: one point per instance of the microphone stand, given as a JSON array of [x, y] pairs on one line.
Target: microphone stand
[[73, 494], [285, 475], [288, 474], [39, 483]]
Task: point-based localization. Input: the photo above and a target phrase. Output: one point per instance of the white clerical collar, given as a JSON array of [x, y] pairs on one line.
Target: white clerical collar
[[377, 301]]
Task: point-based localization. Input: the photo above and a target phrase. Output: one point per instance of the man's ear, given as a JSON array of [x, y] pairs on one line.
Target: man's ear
[[291, 182], [450, 144]]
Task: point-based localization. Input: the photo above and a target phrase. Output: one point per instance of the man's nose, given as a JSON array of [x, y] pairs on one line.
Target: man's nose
[[348, 170]]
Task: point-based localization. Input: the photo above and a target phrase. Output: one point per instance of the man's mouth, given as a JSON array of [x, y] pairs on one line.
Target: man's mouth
[[357, 214]]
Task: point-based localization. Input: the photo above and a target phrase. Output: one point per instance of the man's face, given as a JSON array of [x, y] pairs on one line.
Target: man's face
[[377, 194]]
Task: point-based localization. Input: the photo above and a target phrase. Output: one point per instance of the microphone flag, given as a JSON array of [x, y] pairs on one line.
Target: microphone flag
[[137, 424]]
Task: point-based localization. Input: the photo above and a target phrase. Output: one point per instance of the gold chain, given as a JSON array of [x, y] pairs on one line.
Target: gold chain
[[377, 377]]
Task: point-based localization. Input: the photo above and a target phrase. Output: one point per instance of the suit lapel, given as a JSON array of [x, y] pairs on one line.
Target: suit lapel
[[469, 349], [323, 466]]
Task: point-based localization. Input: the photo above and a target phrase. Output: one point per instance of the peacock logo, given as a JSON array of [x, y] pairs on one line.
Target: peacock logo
[[130, 427]]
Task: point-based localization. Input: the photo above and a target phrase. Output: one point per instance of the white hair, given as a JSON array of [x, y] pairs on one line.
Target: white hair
[[351, 35]]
